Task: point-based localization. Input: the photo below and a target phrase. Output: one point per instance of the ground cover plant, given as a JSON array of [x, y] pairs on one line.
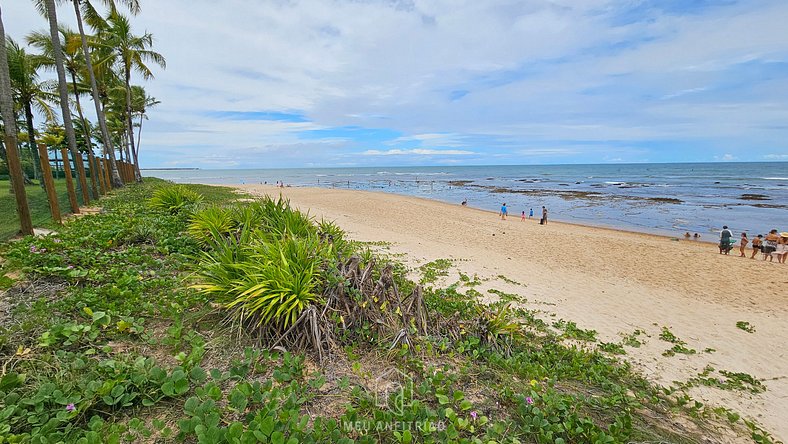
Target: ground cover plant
[[179, 314]]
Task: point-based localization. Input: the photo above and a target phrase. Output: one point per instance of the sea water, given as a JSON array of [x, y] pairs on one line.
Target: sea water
[[668, 199]]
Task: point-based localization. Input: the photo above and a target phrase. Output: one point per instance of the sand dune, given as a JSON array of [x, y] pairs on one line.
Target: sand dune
[[611, 281]]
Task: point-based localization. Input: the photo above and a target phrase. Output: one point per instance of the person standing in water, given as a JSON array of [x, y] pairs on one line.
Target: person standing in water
[[544, 216], [531, 214], [522, 217], [504, 211]]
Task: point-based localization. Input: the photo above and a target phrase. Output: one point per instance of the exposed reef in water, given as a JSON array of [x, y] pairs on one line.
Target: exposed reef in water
[[752, 196]]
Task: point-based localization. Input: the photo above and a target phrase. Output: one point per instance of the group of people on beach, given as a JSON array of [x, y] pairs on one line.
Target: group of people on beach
[[774, 244], [505, 212]]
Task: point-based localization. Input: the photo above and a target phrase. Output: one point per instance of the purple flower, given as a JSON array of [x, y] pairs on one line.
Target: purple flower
[[33, 249], [70, 267], [529, 400], [57, 241], [70, 407], [473, 415]]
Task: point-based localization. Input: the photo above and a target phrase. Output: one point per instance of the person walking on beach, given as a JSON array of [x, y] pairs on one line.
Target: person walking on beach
[[757, 244], [782, 248], [770, 245], [504, 211], [743, 243], [544, 216], [725, 240], [531, 214]]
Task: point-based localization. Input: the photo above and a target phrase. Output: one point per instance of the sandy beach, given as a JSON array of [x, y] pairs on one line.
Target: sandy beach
[[614, 282]]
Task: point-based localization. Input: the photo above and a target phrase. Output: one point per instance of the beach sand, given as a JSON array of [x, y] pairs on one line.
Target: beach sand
[[614, 282]]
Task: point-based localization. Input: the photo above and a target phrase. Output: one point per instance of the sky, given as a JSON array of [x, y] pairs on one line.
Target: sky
[[342, 83]]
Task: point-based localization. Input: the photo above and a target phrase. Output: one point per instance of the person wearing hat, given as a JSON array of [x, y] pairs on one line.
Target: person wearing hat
[[782, 247], [770, 244]]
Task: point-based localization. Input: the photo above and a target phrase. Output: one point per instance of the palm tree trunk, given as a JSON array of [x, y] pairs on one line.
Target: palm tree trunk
[[63, 90], [88, 141], [14, 166], [139, 135], [130, 124], [31, 140], [116, 181]]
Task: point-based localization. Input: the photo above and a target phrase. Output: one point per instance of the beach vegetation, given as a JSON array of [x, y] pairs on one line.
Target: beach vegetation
[[746, 326], [110, 337], [506, 297], [572, 331], [509, 281], [679, 346], [469, 281], [612, 347], [725, 380], [432, 271], [174, 198], [632, 340]]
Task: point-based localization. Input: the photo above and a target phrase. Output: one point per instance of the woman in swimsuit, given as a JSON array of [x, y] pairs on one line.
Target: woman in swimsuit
[[743, 243]]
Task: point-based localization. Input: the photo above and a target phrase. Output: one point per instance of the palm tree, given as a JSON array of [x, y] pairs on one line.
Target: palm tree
[[140, 104], [30, 92], [9, 123], [131, 52], [134, 7], [74, 64], [49, 8]]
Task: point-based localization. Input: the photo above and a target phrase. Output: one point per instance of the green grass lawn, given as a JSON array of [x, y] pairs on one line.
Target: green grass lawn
[[39, 207]]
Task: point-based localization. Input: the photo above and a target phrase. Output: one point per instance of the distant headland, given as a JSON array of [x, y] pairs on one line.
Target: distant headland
[[169, 169]]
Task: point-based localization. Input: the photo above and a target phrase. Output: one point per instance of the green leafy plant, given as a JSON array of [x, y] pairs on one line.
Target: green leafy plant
[[174, 198], [746, 326]]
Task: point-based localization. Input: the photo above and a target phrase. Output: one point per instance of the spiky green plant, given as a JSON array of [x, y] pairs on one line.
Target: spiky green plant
[[174, 198], [211, 224], [268, 282], [496, 326]]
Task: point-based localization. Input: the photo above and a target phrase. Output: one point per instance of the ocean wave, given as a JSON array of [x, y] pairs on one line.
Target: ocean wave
[[774, 178]]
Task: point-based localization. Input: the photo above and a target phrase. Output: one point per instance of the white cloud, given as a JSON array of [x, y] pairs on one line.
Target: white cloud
[[539, 73], [417, 152]]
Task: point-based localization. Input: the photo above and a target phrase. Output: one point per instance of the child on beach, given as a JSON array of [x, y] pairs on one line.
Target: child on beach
[[756, 245], [504, 211], [531, 214], [522, 218], [687, 235], [743, 243]]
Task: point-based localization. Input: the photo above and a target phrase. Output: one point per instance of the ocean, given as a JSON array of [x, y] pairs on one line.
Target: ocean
[[667, 199]]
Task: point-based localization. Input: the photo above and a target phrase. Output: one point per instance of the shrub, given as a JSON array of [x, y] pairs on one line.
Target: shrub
[[211, 224], [268, 282], [174, 199]]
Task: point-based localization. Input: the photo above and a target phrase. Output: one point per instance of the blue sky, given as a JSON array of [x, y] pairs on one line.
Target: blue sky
[[460, 82]]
